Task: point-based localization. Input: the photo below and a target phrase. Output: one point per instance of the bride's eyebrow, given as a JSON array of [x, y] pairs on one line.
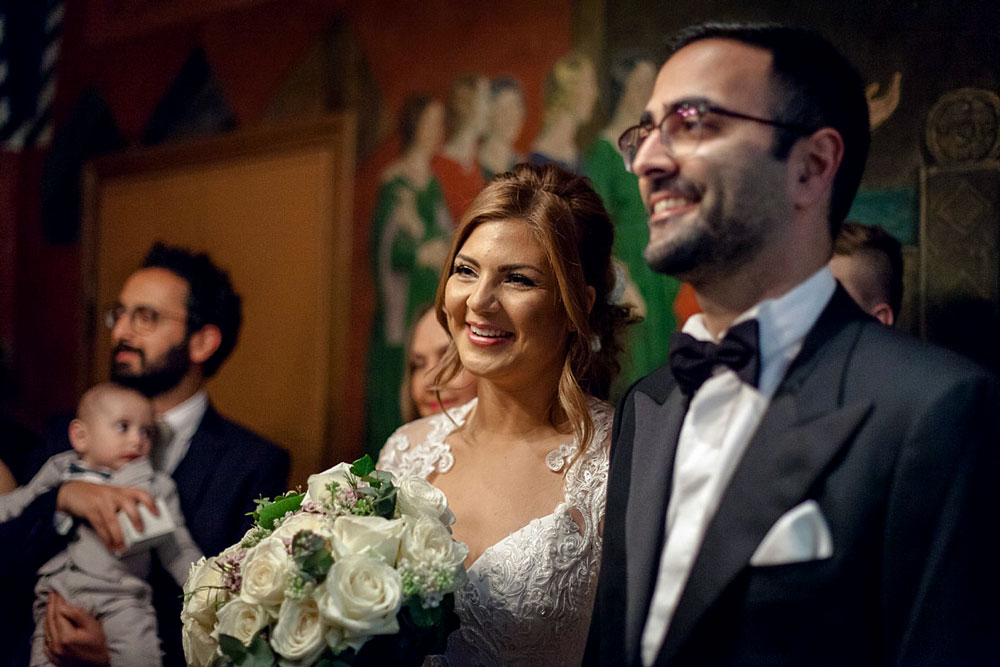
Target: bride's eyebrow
[[507, 268], [503, 268]]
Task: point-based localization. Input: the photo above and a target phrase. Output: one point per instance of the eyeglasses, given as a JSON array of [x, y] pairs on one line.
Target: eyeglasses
[[682, 128], [143, 319]]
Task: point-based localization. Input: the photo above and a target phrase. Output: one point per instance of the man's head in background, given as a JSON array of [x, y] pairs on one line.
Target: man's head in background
[[868, 262], [176, 320]]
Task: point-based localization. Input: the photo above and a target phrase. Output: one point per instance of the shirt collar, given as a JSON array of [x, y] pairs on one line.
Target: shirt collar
[[784, 322], [185, 416], [78, 467]]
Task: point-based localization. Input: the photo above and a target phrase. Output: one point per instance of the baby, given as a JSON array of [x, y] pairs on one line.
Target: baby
[[111, 439]]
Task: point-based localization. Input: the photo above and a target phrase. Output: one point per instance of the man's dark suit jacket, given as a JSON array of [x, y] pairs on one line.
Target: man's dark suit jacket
[[226, 467], [897, 443]]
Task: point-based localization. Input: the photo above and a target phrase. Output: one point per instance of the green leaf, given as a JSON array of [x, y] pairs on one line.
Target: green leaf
[[378, 479], [258, 503], [363, 466], [425, 618], [385, 504], [383, 476], [232, 648], [268, 513], [310, 554], [259, 653]]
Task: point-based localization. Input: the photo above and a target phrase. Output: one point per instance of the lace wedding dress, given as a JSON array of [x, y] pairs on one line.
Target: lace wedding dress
[[529, 596]]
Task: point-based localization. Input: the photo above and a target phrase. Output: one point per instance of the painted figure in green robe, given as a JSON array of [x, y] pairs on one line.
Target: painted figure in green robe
[[410, 233], [631, 83]]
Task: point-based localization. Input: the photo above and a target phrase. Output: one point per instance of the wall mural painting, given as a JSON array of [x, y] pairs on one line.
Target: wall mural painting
[[498, 150], [881, 104], [456, 166], [570, 94], [410, 230], [651, 294], [450, 149]]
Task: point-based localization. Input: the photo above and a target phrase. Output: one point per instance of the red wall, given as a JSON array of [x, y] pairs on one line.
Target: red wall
[[132, 56]]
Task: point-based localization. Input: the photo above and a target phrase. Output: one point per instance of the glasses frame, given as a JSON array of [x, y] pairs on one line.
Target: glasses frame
[[113, 313], [701, 108]]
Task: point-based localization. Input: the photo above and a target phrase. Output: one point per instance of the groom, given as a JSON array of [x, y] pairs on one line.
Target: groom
[[816, 488]]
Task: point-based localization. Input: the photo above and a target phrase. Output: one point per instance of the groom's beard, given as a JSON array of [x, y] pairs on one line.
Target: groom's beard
[[155, 378]]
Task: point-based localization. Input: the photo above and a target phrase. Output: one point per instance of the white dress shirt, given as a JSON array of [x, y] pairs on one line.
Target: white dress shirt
[[722, 417], [182, 421]]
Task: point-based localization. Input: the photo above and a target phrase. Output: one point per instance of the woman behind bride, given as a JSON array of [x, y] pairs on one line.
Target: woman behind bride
[[526, 299]]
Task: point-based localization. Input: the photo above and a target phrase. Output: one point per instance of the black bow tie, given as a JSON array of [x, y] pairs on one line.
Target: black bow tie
[[692, 360]]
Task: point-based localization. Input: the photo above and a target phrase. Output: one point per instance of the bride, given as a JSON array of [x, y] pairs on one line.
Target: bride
[[526, 298]]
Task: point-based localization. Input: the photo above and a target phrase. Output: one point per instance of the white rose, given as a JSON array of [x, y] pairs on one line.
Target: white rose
[[427, 542], [298, 634], [202, 591], [416, 496], [241, 620], [317, 523], [199, 646], [366, 534], [318, 484], [265, 573], [359, 599]]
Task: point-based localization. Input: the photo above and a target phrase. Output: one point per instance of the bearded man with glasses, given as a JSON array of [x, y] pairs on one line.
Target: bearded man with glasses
[[177, 319], [800, 485]]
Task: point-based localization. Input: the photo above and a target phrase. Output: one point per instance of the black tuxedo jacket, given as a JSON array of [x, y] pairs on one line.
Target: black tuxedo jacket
[[897, 443], [225, 468]]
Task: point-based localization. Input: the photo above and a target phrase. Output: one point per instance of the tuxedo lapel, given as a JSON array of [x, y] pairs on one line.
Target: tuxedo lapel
[[657, 427], [802, 432], [195, 470]]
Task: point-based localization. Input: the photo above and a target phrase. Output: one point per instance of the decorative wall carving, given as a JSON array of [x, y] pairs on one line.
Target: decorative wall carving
[[960, 225], [963, 126]]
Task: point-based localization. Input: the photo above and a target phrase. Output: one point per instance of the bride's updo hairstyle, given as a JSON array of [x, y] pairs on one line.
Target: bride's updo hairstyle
[[569, 221]]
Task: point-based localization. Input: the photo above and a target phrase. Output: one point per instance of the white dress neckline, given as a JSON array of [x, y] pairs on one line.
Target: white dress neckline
[[529, 595]]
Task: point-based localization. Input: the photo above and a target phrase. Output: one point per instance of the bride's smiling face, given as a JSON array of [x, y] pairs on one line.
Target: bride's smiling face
[[503, 306]]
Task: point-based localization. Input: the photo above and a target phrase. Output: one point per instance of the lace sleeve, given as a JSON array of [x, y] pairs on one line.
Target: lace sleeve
[[418, 448], [587, 479], [389, 459], [396, 449]]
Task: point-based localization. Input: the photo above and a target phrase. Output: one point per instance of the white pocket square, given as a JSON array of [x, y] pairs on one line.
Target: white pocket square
[[801, 534]]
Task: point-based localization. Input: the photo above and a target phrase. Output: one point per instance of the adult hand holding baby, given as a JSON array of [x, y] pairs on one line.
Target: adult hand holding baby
[[99, 505], [73, 636]]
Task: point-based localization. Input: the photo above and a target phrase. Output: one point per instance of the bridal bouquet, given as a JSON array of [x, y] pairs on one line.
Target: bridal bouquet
[[360, 569]]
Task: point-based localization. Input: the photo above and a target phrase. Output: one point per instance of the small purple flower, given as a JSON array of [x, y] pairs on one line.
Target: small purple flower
[[313, 507], [230, 565], [233, 581], [347, 497]]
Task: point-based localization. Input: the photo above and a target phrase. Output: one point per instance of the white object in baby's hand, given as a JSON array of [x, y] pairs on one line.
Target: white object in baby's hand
[[152, 526]]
